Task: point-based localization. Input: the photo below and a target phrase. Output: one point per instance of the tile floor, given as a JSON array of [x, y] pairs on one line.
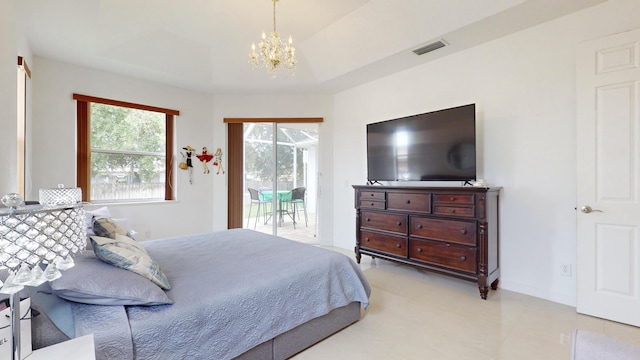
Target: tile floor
[[415, 314], [302, 232]]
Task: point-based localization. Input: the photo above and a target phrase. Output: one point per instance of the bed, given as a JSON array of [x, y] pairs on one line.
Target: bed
[[234, 294]]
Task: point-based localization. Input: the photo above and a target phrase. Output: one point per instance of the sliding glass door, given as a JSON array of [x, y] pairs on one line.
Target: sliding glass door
[[280, 167]]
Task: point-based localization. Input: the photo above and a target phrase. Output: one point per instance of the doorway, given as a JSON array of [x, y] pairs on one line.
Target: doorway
[[280, 163], [608, 189], [273, 186]]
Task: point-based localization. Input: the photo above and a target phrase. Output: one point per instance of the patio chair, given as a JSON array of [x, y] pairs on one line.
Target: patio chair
[[256, 198], [297, 199]]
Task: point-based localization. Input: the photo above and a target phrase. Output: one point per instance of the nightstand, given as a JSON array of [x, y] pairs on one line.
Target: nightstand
[[77, 349]]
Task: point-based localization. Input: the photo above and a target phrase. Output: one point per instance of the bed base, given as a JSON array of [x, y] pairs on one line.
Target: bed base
[[295, 340]]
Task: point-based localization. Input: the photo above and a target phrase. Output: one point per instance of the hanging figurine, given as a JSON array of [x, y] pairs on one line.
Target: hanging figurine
[[183, 163], [205, 157], [217, 160], [190, 151]]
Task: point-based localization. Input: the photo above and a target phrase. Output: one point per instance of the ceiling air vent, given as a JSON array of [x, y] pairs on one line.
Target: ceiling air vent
[[431, 47]]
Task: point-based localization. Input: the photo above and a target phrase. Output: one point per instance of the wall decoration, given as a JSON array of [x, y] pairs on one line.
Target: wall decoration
[[217, 161], [189, 164], [205, 157], [183, 163]]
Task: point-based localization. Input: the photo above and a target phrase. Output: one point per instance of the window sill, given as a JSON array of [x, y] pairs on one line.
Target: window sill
[[131, 202]]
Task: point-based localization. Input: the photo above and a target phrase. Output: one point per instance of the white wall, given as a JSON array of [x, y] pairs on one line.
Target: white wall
[[54, 139], [524, 89], [12, 45], [282, 105], [8, 99], [200, 207]]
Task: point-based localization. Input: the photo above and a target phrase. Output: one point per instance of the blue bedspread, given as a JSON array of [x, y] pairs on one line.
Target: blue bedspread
[[233, 290]]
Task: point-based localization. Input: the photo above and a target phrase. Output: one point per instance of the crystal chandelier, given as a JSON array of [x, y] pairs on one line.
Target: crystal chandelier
[[273, 54]]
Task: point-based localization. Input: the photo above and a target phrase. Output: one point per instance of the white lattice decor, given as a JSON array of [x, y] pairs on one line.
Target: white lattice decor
[[60, 195], [34, 233]]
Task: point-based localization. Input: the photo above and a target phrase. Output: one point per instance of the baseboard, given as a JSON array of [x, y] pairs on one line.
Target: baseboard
[[541, 293]]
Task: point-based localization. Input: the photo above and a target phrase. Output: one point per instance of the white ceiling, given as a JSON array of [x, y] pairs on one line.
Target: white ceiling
[[204, 44]]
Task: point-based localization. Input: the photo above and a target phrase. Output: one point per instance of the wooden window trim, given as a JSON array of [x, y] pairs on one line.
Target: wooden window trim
[[90, 99], [83, 151], [23, 63], [272, 120], [235, 158], [24, 74], [168, 180]]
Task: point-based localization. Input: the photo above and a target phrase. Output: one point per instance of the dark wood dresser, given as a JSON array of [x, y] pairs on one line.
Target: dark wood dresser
[[448, 230]]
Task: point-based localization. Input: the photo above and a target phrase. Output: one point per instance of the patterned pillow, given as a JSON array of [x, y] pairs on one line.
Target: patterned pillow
[[108, 227], [97, 213], [129, 254]]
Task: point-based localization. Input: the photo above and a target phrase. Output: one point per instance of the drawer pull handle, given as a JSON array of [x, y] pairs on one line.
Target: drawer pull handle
[[463, 231], [372, 194], [419, 250], [419, 226], [408, 201], [372, 204], [368, 219], [463, 258], [453, 211], [452, 198], [366, 239], [398, 246], [398, 223]]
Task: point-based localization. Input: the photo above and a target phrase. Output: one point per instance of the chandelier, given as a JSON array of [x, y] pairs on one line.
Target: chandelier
[[273, 53]]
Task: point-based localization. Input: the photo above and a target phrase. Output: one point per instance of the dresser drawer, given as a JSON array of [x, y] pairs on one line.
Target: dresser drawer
[[455, 198], [455, 257], [453, 210], [372, 204], [409, 202], [394, 245], [371, 195], [461, 232], [384, 221]]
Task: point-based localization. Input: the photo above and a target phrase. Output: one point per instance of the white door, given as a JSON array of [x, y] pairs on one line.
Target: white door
[[608, 195]]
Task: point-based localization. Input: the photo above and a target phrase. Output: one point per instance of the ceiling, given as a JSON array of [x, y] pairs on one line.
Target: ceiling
[[204, 44]]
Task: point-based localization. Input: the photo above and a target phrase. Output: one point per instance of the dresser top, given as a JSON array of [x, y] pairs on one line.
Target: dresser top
[[427, 188]]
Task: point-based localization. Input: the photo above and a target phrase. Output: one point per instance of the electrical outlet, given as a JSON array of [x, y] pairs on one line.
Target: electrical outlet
[[566, 269]]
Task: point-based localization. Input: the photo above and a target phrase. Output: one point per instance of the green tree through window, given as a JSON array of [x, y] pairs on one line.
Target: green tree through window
[[128, 150]]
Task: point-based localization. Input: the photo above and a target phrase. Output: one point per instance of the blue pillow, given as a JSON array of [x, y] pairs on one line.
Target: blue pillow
[[92, 281], [55, 308]]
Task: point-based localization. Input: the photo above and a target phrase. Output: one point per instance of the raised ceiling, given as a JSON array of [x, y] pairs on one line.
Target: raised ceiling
[[204, 44]]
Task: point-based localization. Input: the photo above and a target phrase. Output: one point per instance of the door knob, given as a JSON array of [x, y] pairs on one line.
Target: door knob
[[587, 209]]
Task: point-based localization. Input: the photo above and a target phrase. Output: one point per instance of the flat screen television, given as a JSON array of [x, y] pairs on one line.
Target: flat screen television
[[434, 146]]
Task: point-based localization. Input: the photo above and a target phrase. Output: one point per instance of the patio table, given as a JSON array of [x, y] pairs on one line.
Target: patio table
[[282, 197]]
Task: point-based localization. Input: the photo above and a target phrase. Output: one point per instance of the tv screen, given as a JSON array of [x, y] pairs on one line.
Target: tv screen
[[435, 146]]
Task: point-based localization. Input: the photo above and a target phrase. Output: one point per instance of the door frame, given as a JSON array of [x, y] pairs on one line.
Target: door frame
[[235, 151]]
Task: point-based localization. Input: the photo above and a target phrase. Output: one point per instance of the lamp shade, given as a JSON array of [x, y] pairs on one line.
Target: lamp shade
[[35, 233], [60, 195]]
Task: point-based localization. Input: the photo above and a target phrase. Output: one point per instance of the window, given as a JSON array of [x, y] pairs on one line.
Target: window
[[124, 150], [24, 74]]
